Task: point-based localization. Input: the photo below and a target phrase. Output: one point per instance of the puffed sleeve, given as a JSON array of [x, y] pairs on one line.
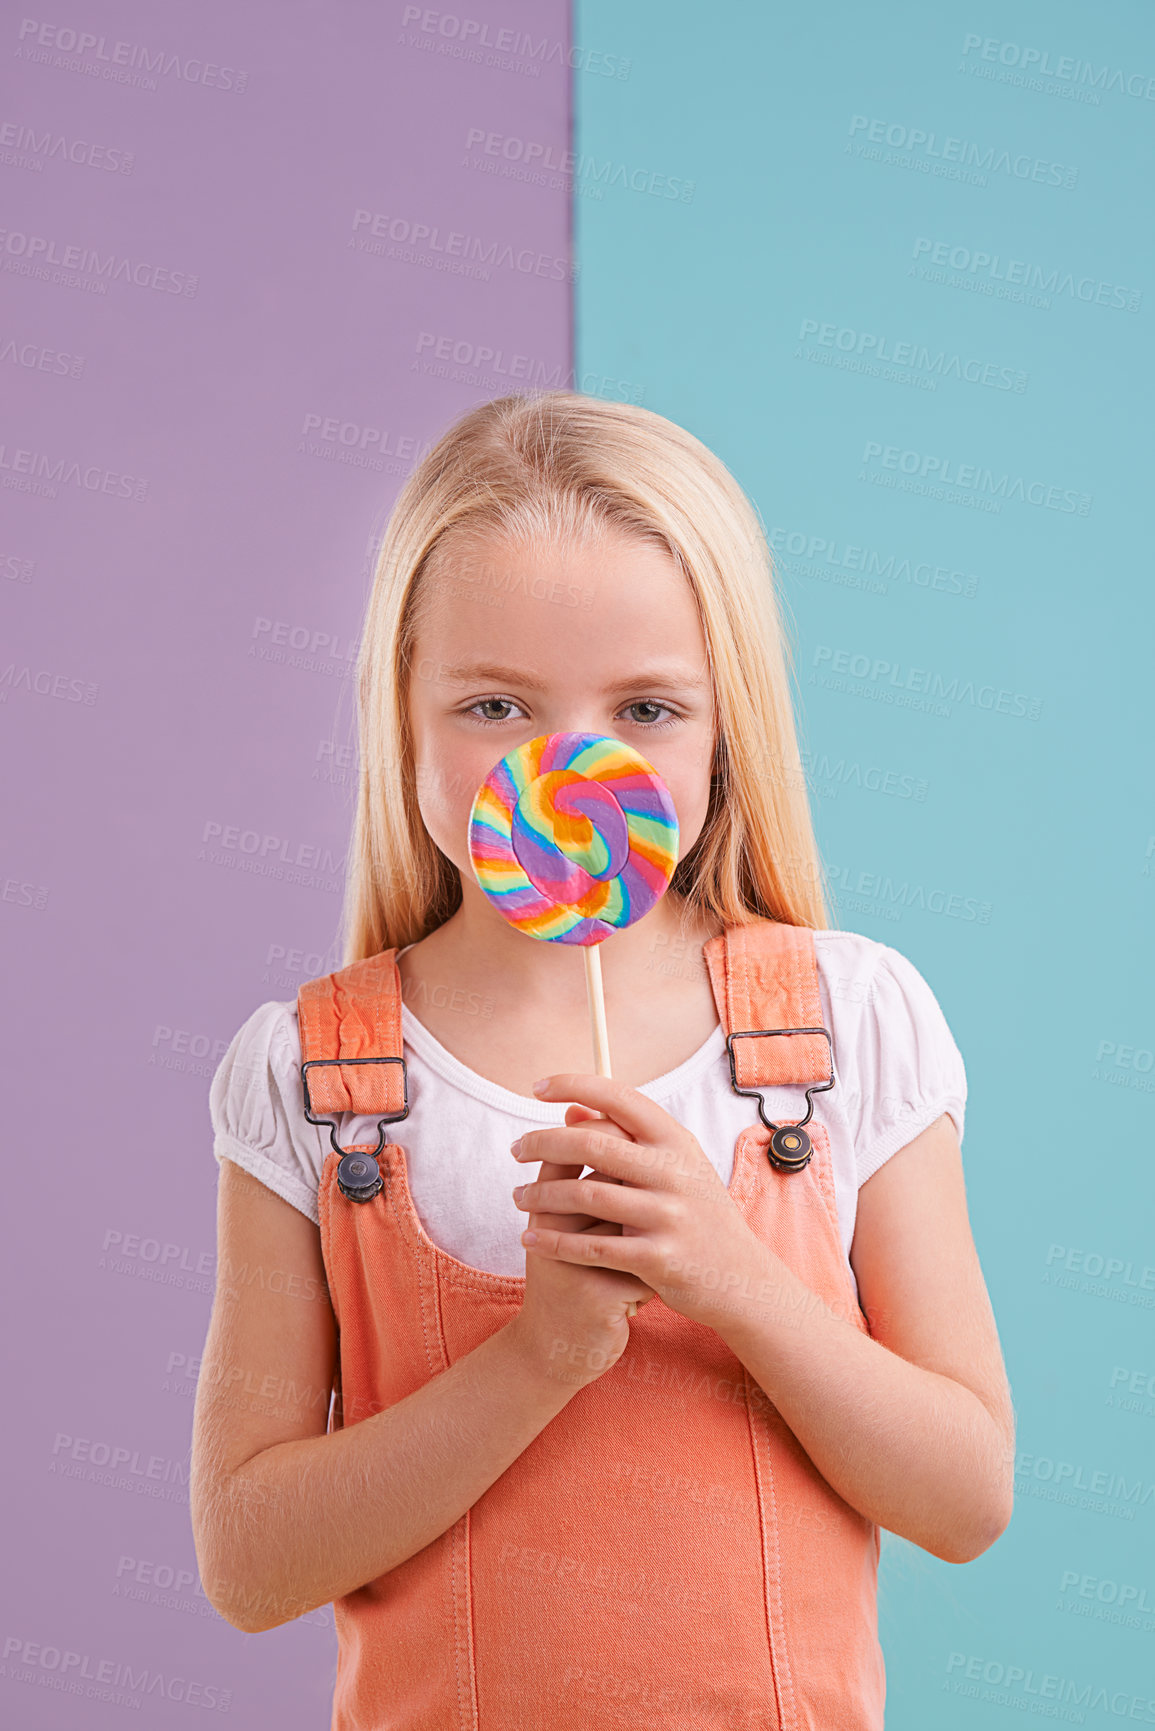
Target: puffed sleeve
[[256, 1104], [907, 1068]]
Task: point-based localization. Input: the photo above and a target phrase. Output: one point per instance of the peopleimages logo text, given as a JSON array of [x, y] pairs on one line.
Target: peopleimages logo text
[[973, 478], [1041, 278], [917, 141], [33, 35], [874, 346], [455, 246], [880, 674], [1140, 85]]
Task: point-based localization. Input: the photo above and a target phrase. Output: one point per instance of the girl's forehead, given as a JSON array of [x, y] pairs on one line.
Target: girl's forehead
[[601, 617], [499, 584], [609, 549], [539, 641]]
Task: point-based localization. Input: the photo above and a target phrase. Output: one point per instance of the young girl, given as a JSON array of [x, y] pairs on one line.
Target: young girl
[[610, 1449]]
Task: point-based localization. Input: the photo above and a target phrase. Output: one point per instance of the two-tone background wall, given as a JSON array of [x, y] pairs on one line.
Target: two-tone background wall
[[895, 265]]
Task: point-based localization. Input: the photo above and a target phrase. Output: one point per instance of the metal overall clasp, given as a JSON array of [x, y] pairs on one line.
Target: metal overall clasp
[[790, 1147], [358, 1175]]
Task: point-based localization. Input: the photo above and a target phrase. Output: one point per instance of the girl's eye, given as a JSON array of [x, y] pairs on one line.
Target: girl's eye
[[651, 723], [491, 702]]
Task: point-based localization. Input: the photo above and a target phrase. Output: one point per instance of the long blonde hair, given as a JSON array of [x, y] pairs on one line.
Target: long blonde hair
[[560, 465]]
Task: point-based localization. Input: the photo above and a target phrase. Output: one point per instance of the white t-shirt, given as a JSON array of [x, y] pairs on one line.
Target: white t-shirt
[[896, 1065]]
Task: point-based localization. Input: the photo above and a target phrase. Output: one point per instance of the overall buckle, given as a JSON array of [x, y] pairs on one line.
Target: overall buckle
[[358, 1175], [790, 1147]]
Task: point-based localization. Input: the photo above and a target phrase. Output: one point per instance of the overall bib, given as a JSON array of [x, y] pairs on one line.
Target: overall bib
[[664, 1553]]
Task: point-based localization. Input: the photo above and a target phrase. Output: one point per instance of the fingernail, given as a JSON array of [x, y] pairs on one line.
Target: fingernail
[[541, 1086], [529, 1238], [515, 1147], [519, 1193]]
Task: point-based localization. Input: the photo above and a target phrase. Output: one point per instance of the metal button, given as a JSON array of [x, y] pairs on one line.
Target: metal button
[[790, 1148], [359, 1177]]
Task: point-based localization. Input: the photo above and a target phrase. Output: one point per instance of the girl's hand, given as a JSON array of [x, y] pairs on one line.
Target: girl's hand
[[573, 1320], [680, 1230]]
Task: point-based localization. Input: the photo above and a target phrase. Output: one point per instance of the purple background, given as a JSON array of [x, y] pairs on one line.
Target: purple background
[[181, 610]]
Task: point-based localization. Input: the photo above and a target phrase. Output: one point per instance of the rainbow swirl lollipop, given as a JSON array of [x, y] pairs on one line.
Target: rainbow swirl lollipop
[[573, 837]]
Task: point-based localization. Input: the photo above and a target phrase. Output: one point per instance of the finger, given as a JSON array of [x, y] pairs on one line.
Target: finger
[[586, 1115], [553, 1171], [636, 1291], [534, 1144], [629, 1285], [622, 1204], [654, 1166], [637, 1114], [581, 1221], [558, 1169], [575, 1222], [578, 1114], [593, 1250]]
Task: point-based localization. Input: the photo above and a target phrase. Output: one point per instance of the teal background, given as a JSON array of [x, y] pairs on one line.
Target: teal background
[[1011, 860]]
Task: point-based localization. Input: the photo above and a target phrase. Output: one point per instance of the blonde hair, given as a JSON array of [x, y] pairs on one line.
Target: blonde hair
[[560, 465]]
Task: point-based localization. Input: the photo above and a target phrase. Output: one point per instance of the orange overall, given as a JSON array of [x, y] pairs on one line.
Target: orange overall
[[664, 1553]]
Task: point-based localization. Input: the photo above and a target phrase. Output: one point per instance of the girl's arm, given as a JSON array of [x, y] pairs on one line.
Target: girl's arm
[[914, 1424], [285, 1516]]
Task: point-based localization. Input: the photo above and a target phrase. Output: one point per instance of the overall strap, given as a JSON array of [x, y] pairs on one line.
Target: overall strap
[[351, 1046], [765, 981]]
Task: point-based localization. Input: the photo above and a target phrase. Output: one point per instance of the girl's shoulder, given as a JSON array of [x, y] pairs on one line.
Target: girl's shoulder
[[256, 1105], [267, 1040], [856, 969], [893, 1047]]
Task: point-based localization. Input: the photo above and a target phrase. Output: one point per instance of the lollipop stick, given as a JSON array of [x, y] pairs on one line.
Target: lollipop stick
[[597, 1002]]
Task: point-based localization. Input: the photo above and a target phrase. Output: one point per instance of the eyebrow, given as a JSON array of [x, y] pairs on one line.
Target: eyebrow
[[668, 675]]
